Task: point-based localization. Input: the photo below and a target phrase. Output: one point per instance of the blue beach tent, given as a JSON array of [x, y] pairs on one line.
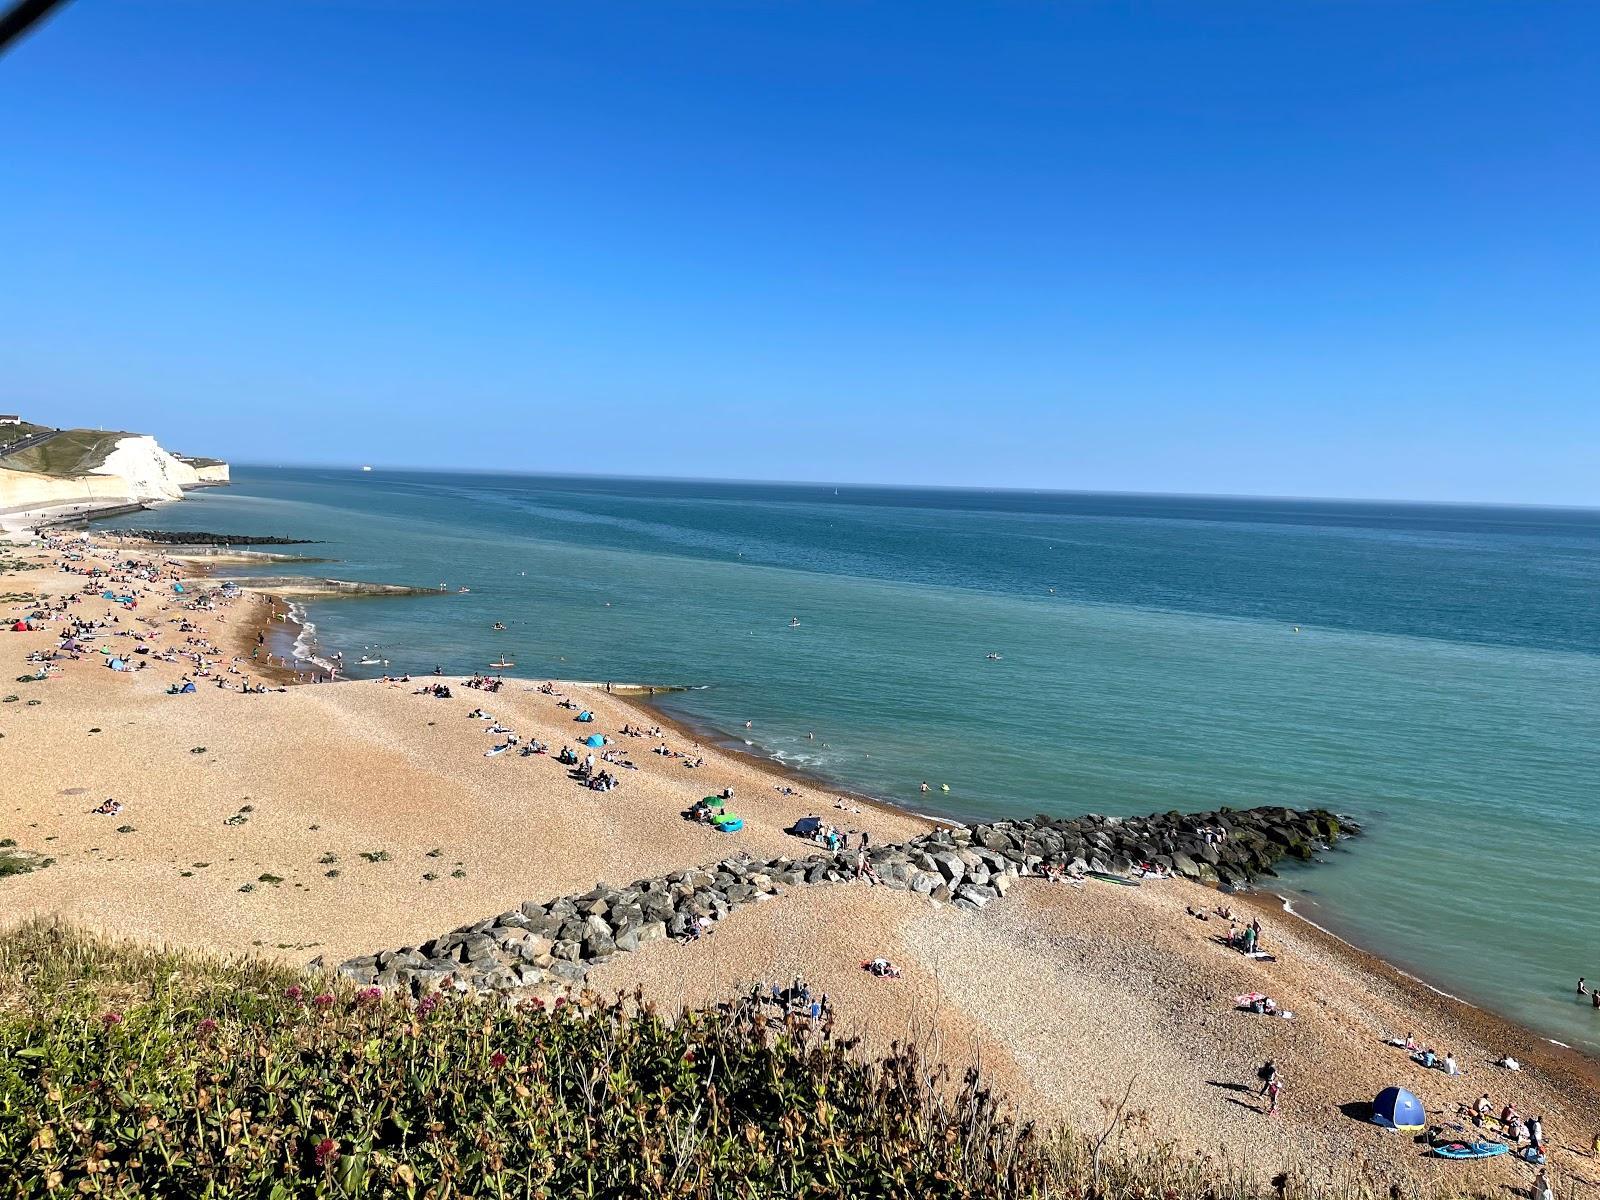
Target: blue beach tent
[[1396, 1108], [594, 739]]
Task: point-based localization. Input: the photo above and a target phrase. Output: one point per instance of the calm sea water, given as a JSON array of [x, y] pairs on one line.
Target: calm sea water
[[1443, 686]]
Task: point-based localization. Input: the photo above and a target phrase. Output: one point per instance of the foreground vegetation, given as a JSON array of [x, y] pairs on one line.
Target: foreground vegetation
[[126, 1071]]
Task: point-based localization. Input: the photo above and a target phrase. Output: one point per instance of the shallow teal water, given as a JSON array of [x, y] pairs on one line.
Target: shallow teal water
[[1444, 687]]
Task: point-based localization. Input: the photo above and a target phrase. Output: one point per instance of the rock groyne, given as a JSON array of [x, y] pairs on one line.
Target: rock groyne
[[552, 944], [185, 537]]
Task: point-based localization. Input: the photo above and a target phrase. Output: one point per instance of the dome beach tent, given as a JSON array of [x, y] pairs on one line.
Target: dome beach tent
[[594, 739], [1396, 1108], [807, 826]]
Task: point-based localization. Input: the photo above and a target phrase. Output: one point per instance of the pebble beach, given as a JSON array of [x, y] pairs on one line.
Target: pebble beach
[[325, 821]]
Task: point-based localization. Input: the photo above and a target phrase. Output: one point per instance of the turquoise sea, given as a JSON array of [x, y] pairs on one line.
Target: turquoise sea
[[1443, 685]]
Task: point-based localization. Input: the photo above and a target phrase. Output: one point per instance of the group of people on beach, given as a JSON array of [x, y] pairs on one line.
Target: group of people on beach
[[1524, 1132], [122, 583], [797, 1000]]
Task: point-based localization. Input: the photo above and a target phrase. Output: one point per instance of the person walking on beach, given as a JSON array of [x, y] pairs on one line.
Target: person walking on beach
[[1541, 1187], [1274, 1089], [1267, 1073]]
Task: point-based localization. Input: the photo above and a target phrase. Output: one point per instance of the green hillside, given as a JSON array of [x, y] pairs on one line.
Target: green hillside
[[128, 1071], [69, 452]]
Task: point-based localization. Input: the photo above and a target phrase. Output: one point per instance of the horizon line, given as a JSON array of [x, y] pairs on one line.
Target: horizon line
[[356, 468]]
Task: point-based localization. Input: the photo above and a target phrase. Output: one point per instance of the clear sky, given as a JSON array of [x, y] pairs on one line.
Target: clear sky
[[1339, 249]]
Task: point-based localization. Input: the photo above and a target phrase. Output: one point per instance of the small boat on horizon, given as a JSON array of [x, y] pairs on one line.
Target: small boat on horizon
[[992, 657], [794, 622], [366, 468], [498, 625]]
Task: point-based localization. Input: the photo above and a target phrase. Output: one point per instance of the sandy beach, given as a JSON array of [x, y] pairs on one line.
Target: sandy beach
[[332, 820]]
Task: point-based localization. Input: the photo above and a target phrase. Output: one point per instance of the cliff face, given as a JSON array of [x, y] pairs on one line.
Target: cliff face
[[32, 489], [78, 466], [148, 471]]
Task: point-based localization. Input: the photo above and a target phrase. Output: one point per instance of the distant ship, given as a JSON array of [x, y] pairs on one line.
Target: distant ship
[[794, 622], [366, 468]]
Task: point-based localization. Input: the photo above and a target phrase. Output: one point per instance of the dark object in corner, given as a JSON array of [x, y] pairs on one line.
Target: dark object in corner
[[21, 17]]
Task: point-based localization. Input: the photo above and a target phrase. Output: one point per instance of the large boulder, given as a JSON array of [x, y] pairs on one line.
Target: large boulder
[[651, 931]]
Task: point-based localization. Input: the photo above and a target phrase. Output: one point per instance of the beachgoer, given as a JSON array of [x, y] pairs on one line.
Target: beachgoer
[[1583, 988], [1540, 1190], [1267, 1073], [1274, 1090], [1450, 1067]]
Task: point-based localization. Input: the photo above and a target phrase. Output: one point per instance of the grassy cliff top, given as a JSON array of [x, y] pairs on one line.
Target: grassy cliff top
[[68, 452]]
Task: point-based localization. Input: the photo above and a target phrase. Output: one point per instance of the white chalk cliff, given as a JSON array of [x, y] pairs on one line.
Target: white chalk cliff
[[136, 469]]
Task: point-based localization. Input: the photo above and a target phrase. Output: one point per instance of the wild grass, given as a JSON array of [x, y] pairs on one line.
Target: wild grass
[[128, 1071]]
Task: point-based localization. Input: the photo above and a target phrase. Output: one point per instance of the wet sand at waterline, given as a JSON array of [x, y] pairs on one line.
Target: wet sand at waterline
[[308, 821]]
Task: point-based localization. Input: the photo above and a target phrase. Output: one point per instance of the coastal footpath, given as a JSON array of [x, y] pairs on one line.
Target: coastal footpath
[[303, 822]]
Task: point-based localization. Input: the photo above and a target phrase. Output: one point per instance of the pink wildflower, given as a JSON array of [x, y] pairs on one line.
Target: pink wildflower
[[325, 1000], [497, 1060], [327, 1151], [208, 1025], [295, 992], [370, 995], [111, 1018]]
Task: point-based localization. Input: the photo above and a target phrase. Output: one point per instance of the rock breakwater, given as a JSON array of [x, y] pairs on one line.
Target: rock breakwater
[[550, 945]]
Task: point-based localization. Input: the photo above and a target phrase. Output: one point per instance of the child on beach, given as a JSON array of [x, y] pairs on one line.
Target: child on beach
[[1267, 1073]]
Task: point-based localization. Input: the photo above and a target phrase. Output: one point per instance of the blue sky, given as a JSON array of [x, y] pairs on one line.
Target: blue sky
[[1283, 248]]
